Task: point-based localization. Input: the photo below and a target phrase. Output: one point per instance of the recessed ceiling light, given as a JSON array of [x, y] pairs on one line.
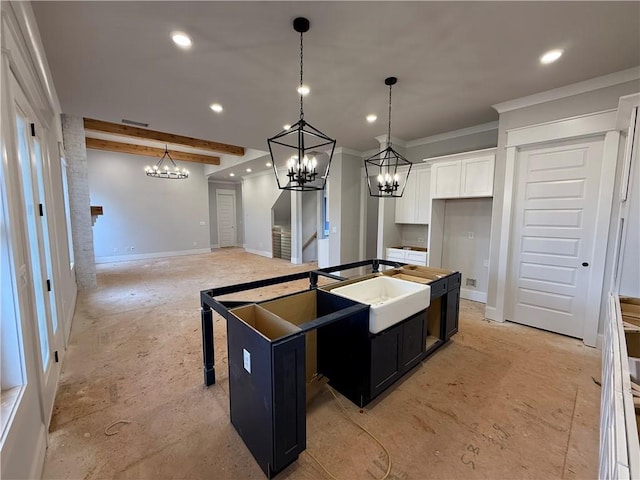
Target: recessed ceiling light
[[232, 174], [268, 164], [372, 117], [216, 107], [286, 126], [181, 39], [303, 90], [551, 56], [248, 170]]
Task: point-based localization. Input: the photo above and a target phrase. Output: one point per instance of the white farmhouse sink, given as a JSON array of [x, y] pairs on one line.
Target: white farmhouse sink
[[392, 300]]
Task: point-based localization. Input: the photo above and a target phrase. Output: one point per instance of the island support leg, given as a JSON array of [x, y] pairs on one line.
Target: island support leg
[[207, 345]]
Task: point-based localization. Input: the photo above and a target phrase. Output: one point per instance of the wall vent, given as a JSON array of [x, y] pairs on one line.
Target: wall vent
[[133, 122]]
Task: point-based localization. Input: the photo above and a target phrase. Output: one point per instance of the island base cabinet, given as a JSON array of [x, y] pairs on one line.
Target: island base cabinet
[[361, 365], [267, 388]]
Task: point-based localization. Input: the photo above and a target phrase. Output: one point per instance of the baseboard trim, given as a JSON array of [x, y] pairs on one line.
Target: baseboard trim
[[262, 253], [215, 246], [474, 295], [145, 256], [491, 313]]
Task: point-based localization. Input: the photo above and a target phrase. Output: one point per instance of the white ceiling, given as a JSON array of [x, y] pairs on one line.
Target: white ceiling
[[453, 60]]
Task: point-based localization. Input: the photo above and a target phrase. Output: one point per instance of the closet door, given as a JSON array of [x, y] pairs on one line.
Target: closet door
[[557, 192]]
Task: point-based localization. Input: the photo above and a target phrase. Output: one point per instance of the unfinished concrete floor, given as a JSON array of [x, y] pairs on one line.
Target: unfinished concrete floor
[[499, 401]]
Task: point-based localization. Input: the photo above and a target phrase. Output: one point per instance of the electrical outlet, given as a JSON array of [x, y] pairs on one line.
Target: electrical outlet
[[115, 250], [202, 224], [420, 239], [471, 282], [470, 235]]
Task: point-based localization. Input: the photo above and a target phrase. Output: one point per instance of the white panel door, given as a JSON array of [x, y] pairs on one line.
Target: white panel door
[[226, 202], [552, 245]]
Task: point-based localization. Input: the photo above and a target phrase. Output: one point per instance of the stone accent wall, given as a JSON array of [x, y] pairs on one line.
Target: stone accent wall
[[81, 225]]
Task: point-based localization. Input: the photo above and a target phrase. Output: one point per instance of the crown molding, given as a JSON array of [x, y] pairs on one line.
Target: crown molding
[[585, 86], [382, 139], [463, 132], [348, 151]]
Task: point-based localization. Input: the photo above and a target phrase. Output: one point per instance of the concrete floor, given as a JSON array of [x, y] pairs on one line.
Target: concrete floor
[[499, 401]]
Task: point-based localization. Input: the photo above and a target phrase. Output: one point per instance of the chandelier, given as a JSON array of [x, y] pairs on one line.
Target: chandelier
[[390, 169], [301, 154], [172, 172]]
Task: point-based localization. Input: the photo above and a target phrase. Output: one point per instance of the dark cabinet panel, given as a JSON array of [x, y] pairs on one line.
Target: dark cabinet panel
[[453, 313], [385, 359], [412, 340]]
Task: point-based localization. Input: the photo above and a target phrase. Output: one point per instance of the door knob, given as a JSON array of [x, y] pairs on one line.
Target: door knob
[[585, 264]]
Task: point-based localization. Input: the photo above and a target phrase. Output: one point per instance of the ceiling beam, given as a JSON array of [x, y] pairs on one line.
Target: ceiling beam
[[98, 144], [118, 129]]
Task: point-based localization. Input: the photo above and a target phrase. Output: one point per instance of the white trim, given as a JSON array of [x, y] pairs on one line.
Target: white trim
[[597, 261], [474, 295], [505, 234], [463, 132], [145, 256], [40, 451], [262, 253], [213, 181], [625, 105], [215, 246], [491, 313], [563, 129], [596, 83], [70, 314], [461, 155], [348, 151]]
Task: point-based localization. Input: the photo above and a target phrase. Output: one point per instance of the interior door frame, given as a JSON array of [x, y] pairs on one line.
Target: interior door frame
[[589, 125], [231, 193]]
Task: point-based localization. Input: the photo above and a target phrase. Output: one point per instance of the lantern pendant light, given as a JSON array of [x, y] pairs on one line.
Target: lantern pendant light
[[387, 170], [301, 154]]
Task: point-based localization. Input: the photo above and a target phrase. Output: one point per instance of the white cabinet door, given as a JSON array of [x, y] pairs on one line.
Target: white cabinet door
[[413, 206], [423, 206], [405, 205], [416, 258], [476, 177], [445, 179]]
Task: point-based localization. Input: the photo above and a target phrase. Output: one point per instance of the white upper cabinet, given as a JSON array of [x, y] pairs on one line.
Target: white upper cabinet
[[413, 206], [462, 176], [445, 179]]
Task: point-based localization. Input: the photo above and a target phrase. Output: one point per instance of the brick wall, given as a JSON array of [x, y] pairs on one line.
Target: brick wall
[[78, 178]]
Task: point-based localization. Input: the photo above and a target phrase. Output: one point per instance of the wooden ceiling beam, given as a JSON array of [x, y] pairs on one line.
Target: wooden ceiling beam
[[98, 144], [129, 131]]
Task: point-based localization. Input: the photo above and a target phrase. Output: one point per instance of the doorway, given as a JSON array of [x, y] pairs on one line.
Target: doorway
[[226, 210]]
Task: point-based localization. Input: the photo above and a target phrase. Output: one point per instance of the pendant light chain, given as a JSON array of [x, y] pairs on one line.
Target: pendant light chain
[[389, 129], [301, 65]]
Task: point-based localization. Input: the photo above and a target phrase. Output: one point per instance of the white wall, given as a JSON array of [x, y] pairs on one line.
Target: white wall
[[259, 192], [464, 218], [154, 216], [309, 225]]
